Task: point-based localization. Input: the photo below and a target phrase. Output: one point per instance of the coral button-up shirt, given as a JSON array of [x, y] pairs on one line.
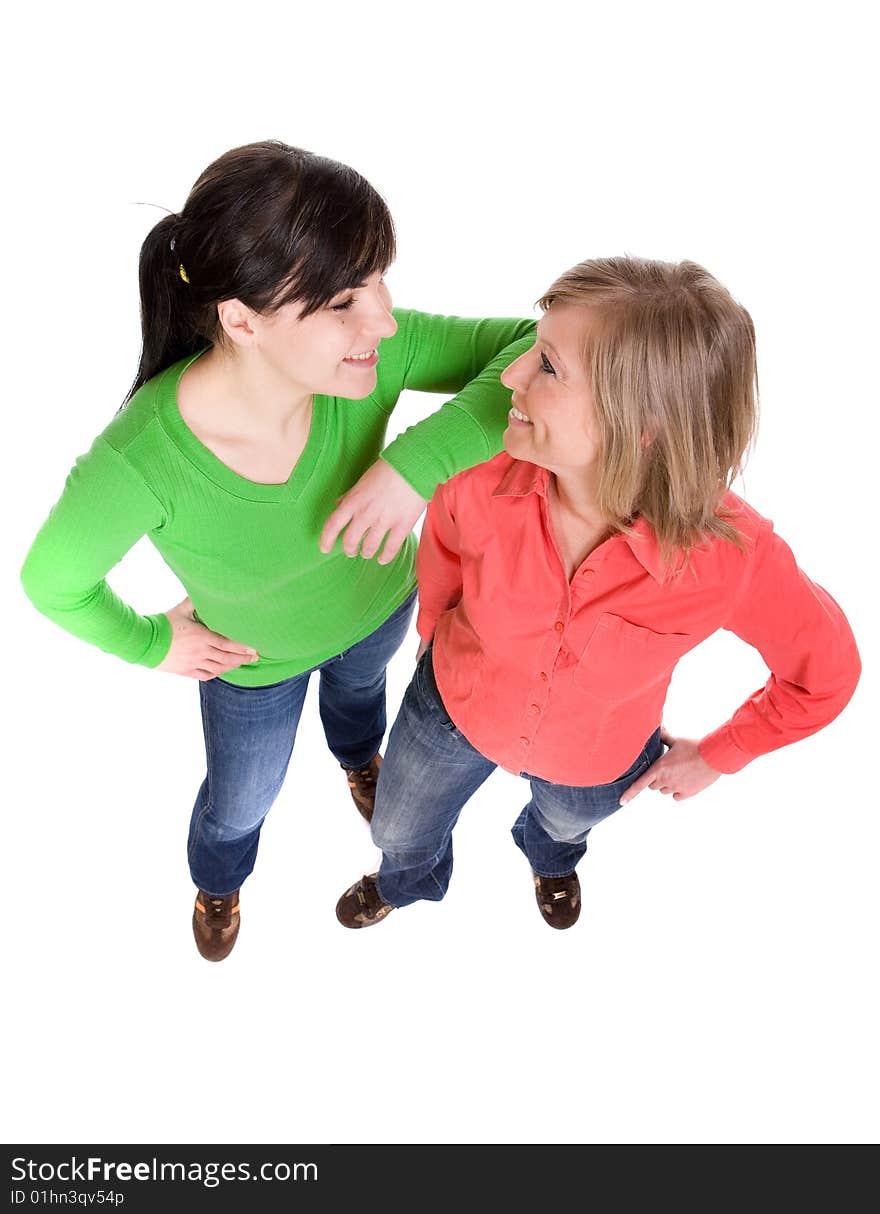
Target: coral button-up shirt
[[566, 680]]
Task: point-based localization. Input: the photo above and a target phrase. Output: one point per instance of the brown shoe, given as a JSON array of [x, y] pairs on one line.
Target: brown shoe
[[559, 899], [215, 924], [361, 905], [362, 782]]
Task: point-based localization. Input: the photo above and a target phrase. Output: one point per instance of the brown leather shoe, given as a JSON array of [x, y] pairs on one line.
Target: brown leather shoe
[[215, 924], [559, 899], [362, 782], [361, 905]]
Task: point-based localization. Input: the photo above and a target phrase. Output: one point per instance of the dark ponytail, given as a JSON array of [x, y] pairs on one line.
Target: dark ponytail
[[169, 326], [267, 224]]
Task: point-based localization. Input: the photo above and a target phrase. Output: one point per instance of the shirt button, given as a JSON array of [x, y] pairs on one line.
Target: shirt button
[[524, 741], [544, 676], [534, 709], [559, 625], [587, 572]]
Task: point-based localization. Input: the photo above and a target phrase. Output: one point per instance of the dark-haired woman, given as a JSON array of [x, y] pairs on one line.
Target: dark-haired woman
[[251, 438]]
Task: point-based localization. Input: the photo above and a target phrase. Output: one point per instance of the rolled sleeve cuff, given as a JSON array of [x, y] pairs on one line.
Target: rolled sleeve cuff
[[719, 750], [160, 641]]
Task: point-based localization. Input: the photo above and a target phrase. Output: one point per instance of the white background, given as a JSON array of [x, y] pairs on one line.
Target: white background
[[721, 984]]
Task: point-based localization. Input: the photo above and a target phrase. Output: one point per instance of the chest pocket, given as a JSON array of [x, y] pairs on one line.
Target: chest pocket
[[622, 660]]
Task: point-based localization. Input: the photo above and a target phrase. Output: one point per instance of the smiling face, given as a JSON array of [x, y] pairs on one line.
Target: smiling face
[[332, 352], [553, 420]]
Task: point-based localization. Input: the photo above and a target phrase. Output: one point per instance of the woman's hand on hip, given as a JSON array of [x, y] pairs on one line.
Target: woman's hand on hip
[[682, 771], [380, 504], [198, 653]]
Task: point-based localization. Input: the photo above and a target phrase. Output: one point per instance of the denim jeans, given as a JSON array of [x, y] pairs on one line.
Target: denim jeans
[[429, 772], [249, 734]]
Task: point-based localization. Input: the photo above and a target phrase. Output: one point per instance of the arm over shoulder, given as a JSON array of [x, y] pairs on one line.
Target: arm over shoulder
[[464, 356]]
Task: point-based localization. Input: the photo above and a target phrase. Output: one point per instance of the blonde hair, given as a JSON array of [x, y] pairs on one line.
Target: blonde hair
[[671, 361]]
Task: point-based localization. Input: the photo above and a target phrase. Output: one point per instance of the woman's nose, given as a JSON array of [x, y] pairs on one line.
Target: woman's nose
[[383, 322], [388, 323], [511, 376]]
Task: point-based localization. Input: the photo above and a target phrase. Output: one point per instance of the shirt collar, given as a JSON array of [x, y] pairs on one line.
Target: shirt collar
[[645, 548], [522, 478]]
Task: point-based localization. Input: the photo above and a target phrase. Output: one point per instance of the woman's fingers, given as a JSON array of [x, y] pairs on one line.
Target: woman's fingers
[[393, 543], [381, 501], [371, 542], [340, 518], [226, 659], [644, 781], [225, 645], [681, 772], [209, 668], [198, 653]]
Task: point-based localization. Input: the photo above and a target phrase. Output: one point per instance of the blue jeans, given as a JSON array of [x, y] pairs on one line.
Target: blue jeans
[[249, 735], [429, 772]]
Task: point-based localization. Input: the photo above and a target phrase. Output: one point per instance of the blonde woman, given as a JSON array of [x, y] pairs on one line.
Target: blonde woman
[[561, 582]]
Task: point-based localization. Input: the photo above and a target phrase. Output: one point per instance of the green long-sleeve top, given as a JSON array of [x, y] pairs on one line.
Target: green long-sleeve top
[[247, 553]]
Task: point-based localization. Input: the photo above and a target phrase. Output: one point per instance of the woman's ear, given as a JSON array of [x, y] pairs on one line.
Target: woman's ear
[[237, 321]]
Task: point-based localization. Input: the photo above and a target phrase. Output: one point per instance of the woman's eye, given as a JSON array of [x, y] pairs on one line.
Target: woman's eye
[[346, 304], [546, 366]]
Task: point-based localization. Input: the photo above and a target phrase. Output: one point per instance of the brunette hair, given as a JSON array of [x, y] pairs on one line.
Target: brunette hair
[[671, 361], [265, 223]]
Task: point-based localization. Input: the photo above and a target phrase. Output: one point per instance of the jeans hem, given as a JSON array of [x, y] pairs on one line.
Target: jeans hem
[[355, 766], [209, 894], [384, 899], [568, 872]]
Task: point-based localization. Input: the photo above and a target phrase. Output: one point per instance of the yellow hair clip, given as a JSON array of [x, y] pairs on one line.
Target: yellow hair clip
[[183, 274]]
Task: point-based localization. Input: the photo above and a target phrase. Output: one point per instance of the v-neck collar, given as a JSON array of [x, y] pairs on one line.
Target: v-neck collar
[[218, 472]]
